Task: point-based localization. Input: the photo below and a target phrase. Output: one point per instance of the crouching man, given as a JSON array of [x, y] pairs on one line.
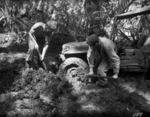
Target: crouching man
[[102, 49]]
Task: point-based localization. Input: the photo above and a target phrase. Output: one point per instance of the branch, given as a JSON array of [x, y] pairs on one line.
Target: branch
[[147, 19], [121, 11], [125, 36]]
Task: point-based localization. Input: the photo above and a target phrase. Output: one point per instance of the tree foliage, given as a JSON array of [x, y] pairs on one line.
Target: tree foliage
[[76, 16]]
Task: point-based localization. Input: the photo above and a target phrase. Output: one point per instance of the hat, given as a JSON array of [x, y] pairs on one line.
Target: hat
[[95, 26], [92, 39], [52, 24]]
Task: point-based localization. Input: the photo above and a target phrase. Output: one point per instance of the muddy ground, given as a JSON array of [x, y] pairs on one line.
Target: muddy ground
[[28, 92]]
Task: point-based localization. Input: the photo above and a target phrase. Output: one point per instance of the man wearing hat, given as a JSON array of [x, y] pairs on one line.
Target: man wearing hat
[[98, 30], [40, 36], [102, 54]]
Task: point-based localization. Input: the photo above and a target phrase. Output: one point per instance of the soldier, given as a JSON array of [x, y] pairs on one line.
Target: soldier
[[40, 36], [102, 53]]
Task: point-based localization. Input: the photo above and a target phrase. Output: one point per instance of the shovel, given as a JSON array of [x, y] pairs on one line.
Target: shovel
[[43, 63]]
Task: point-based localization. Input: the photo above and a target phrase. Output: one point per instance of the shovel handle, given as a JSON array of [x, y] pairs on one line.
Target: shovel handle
[[43, 63]]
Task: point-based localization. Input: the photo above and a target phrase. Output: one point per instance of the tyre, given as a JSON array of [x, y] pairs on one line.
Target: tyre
[[73, 69]]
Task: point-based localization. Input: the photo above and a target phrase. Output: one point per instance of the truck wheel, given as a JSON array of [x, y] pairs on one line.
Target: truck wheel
[[73, 68]]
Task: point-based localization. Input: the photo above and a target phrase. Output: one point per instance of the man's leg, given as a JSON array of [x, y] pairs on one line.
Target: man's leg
[[103, 68], [30, 53]]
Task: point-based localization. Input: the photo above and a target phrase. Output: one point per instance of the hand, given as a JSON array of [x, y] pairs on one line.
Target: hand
[[42, 58], [115, 76], [91, 73], [36, 46], [62, 57]]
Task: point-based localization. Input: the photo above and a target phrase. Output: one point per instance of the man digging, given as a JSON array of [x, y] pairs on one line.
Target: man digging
[[40, 36]]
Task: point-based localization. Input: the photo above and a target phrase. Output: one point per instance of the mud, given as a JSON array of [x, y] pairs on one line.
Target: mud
[[28, 92]]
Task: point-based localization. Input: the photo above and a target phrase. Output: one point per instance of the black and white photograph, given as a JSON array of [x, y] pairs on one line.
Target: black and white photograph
[[74, 58]]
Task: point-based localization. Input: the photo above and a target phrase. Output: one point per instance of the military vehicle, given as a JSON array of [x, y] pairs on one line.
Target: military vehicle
[[133, 60]]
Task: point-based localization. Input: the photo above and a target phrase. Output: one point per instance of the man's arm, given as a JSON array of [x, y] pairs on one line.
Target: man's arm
[[47, 41], [45, 48], [32, 31], [90, 58]]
